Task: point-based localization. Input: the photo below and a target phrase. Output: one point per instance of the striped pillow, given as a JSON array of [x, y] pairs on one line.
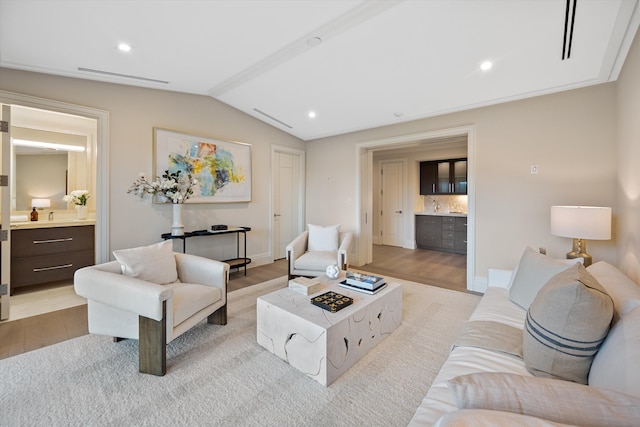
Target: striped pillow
[[565, 326]]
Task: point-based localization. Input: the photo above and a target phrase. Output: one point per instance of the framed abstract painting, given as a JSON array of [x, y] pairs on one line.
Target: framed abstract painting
[[222, 168]]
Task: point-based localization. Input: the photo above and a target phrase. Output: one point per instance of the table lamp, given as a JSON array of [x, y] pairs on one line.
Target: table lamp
[[581, 223]]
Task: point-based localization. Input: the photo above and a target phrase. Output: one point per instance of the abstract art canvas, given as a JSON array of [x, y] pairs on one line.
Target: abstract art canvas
[[222, 168]]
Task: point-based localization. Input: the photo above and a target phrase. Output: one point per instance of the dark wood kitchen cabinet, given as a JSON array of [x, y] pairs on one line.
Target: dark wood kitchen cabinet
[[442, 233], [443, 177]]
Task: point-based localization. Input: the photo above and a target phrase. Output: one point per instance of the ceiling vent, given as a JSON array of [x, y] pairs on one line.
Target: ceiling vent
[[569, 20], [128, 76], [272, 118]]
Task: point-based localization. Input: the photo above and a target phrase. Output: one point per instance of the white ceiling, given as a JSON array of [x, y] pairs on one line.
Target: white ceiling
[[378, 62]]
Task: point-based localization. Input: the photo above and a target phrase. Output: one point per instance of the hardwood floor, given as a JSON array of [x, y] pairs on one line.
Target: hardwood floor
[[422, 266]]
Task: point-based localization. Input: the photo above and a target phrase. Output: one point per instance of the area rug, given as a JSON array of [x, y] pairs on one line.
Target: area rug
[[219, 375]]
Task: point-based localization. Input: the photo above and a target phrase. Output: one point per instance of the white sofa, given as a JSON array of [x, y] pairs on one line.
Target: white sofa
[[614, 376]]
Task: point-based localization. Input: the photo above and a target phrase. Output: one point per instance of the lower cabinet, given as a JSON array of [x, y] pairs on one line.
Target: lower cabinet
[[442, 233], [41, 255]]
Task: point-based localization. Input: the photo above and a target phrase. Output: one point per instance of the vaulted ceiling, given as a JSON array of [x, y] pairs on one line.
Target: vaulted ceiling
[[355, 64]]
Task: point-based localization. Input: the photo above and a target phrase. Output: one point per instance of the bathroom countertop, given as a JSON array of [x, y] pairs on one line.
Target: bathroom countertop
[[461, 214], [44, 223]]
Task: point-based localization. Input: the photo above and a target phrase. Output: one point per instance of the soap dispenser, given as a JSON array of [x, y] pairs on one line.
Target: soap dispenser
[[34, 214]]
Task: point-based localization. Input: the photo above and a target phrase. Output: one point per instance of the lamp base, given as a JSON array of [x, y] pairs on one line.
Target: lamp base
[[580, 251]]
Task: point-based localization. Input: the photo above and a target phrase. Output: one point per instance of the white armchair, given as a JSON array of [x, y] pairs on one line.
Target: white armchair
[[304, 260], [122, 306]]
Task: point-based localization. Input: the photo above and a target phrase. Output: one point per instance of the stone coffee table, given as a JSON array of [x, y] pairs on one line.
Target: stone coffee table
[[322, 344]]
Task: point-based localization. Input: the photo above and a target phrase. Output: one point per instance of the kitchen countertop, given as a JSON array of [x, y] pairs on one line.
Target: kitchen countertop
[[442, 213], [20, 225]]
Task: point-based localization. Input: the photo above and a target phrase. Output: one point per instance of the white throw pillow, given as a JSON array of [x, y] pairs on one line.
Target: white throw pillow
[[532, 272], [323, 238], [155, 263], [617, 363], [624, 291], [554, 400]]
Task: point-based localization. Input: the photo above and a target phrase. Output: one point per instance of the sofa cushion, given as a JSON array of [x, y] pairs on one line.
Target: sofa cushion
[[617, 364], [549, 399], [188, 299], [623, 291], [531, 273], [323, 238], [154, 263], [565, 325], [487, 418], [315, 261]]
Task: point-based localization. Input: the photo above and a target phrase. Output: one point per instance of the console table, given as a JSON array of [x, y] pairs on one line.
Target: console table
[[236, 262]]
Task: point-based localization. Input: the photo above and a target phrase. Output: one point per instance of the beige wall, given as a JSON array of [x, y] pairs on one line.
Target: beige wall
[[628, 176], [133, 113], [570, 136]]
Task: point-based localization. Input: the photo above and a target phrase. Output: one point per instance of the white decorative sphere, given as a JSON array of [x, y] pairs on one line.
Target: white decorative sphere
[[333, 272]]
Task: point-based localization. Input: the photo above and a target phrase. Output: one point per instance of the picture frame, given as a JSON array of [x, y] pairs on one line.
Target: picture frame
[[222, 168]]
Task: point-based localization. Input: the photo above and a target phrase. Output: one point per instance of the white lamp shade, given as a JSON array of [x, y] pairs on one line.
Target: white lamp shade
[[581, 222], [41, 203]]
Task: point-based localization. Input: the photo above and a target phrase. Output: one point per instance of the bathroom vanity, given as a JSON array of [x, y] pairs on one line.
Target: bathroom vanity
[[47, 251]]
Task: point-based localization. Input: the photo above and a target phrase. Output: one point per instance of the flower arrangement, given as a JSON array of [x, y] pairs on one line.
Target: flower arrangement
[[171, 187], [78, 197]]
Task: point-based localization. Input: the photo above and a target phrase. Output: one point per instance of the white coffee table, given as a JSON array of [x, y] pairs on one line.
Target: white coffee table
[[322, 344]]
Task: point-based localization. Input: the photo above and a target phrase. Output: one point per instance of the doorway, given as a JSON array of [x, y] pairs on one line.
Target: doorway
[[365, 163], [287, 189], [97, 150]]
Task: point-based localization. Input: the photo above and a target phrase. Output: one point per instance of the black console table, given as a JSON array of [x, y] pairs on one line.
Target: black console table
[[236, 262]]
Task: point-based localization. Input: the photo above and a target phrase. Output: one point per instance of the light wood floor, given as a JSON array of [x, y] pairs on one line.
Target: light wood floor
[[422, 266]]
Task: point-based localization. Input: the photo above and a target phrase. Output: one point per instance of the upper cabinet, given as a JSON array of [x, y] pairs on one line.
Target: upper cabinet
[[443, 177]]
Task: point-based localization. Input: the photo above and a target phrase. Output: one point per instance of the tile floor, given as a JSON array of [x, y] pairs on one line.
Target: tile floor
[[43, 299]]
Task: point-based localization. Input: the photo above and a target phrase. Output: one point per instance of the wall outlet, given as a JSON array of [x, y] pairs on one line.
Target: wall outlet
[[534, 169]]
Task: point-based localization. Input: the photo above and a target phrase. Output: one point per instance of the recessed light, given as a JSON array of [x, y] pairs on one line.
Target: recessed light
[[312, 114], [314, 41], [486, 65], [124, 47]]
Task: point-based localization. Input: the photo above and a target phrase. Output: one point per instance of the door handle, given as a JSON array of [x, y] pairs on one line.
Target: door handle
[[275, 215], [398, 211]]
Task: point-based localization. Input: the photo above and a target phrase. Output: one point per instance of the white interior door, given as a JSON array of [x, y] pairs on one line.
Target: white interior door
[[392, 201], [5, 219], [288, 190]]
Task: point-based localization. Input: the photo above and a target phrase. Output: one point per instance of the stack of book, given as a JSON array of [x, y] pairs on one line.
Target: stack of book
[[367, 283], [305, 285]]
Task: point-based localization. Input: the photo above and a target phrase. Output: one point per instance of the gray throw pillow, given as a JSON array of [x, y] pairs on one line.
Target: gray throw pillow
[[565, 326], [532, 272]]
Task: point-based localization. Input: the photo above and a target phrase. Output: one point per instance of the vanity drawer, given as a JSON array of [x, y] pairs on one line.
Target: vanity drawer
[[51, 240], [48, 268]]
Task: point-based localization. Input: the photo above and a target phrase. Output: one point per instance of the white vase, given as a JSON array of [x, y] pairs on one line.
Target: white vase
[[177, 227], [82, 212]]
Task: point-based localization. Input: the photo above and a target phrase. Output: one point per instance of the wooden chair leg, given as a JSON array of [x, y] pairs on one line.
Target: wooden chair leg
[[218, 317], [152, 343]]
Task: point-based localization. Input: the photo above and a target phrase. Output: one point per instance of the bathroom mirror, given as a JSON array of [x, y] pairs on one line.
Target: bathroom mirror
[[46, 165]]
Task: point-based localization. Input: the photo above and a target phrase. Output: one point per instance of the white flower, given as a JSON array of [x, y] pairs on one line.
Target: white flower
[[171, 186]]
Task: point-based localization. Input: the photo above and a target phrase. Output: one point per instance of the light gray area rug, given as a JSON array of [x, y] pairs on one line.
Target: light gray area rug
[[219, 375]]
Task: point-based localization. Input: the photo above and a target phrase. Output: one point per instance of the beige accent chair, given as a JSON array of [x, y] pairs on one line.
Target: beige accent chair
[[122, 306], [305, 260]]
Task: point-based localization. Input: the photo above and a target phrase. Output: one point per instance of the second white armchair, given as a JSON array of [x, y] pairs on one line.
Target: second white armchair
[[315, 249]]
